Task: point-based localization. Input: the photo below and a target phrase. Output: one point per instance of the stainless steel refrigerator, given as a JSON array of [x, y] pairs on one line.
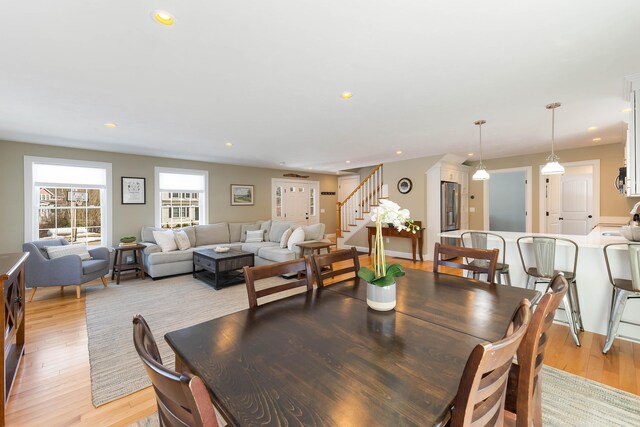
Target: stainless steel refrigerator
[[449, 209]]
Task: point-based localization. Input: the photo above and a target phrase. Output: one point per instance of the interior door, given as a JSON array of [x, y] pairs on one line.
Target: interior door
[[296, 203], [553, 202], [507, 201], [576, 202]]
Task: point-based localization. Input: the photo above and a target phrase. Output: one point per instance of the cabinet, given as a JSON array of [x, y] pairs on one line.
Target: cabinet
[[12, 278], [632, 146]]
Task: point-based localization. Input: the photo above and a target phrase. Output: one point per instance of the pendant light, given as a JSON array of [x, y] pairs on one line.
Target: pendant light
[[553, 167], [481, 173]]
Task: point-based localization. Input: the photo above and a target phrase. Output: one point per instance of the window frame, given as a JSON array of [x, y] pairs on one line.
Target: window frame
[[32, 197], [203, 204]]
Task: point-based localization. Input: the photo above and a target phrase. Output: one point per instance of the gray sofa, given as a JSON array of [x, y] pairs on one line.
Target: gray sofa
[[160, 264]]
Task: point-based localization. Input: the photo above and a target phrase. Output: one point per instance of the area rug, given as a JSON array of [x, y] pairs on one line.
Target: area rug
[[167, 305], [567, 400]]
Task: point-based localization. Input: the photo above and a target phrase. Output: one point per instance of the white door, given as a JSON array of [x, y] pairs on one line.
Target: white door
[[577, 201], [346, 185], [553, 203], [296, 203]]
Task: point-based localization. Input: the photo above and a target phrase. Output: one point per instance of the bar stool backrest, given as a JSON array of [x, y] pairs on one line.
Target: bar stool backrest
[[544, 249], [479, 240], [634, 260]]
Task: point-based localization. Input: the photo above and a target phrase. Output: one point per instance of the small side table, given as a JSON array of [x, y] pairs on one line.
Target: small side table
[[137, 266], [315, 246]]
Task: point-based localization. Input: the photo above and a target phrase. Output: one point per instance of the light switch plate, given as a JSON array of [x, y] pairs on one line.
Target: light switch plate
[[321, 210], [472, 210]]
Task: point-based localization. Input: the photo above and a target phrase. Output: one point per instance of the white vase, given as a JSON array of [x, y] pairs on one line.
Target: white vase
[[381, 298]]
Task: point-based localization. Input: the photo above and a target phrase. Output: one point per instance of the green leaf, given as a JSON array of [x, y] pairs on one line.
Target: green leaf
[[367, 275], [395, 270], [384, 281]]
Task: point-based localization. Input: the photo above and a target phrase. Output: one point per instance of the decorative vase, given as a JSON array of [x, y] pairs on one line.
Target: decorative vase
[[381, 298]]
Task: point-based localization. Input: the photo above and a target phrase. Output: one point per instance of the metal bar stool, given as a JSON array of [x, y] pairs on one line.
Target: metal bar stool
[[544, 250], [478, 240], [623, 289]]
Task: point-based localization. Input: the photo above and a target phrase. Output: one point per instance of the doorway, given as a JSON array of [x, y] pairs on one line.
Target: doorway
[[507, 200], [295, 201], [570, 203], [346, 185]]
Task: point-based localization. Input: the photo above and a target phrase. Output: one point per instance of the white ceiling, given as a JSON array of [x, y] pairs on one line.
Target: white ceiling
[[267, 76]]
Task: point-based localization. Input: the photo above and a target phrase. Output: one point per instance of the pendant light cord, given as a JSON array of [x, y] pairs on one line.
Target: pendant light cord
[[553, 129]]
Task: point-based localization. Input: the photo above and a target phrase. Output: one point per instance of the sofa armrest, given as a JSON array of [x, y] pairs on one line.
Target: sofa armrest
[[99, 253], [150, 248]]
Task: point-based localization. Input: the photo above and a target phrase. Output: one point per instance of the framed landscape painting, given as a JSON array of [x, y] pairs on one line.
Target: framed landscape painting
[[133, 191], [241, 195]]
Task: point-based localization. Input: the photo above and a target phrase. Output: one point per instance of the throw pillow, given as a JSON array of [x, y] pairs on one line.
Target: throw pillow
[[182, 240], [313, 232], [254, 236], [165, 240], [266, 226], [296, 237], [60, 251], [285, 238], [277, 230], [248, 227]]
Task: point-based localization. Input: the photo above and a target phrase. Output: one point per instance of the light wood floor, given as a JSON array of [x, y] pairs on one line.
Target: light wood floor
[[53, 387]]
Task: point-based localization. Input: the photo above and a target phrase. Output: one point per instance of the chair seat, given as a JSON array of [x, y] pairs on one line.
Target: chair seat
[[625, 284], [532, 271], [92, 265]]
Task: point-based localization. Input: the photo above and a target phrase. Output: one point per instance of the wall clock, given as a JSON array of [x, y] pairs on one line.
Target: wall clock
[[405, 185]]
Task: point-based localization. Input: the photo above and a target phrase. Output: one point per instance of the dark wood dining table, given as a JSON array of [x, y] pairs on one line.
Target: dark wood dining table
[[323, 358]]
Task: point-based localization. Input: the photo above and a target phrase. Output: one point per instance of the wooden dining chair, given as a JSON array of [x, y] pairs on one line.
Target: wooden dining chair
[[489, 256], [323, 264], [286, 268], [480, 240], [524, 389], [481, 395], [182, 399]]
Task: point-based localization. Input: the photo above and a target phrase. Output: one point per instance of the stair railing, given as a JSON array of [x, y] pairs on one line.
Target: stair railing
[[365, 196]]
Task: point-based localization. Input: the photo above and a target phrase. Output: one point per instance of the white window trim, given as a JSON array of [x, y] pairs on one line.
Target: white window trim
[[204, 212], [31, 199]]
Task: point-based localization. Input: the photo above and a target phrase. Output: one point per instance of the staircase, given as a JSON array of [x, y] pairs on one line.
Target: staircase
[[354, 211]]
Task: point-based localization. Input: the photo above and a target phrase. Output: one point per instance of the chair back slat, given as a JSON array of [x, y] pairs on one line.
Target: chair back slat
[[544, 250], [322, 261], [532, 349], [480, 240], [253, 274], [489, 256], [481, 394], [182, 399]]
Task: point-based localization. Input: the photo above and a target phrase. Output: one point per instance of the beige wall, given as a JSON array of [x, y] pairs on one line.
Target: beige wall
[[415, 200], [127, 219], [611, 158]]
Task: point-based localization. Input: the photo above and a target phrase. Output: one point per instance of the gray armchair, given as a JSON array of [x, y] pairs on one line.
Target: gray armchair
[[40, 271]]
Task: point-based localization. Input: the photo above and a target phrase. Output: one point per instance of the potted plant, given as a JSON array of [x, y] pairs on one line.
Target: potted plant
[[381, 282]]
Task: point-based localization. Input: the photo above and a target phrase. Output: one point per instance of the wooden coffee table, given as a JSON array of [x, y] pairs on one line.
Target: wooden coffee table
[[220, 269]]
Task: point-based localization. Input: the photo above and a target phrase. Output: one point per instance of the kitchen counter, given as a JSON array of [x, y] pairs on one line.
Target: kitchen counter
[[594, 289]]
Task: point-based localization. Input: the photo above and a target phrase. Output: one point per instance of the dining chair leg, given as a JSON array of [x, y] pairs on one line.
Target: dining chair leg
[[537, 403], [568, 309], [619, 302], [507, 278], [499, 277], [531, 284]]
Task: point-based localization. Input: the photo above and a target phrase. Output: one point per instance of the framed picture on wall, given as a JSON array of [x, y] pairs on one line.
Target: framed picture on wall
[[241, 195], [133, 191]]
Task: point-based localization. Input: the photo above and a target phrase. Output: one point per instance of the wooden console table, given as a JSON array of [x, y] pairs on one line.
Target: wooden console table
[[417, 239], [12, 278]]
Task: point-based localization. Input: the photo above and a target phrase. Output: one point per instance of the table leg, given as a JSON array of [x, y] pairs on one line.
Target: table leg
[[140, 262], [414, 243], [113, 269], [119, 268], [420, 243]]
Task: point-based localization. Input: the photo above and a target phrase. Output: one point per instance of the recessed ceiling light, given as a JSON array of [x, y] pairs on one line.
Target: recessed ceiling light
[[111, 125], [592, 128], [310, 168], [470, 154], [346, 95], [398, 152], [163, 17], [348, 161], [228, 144], [596, 139], [337, 172], [626, 110]]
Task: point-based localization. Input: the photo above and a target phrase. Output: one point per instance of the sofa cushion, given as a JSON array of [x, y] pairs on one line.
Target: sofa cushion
[[191, 234], [147, 234], [165, 240], [314, 231], [277, 230], [266, 226], [92, 265], [248, 227], [167, 257], [235, 230], [150, 248], [210, 234], [296, 237], [255, 247], [276, 254]]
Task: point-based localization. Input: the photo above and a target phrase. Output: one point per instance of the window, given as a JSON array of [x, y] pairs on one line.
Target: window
[[181, 197], [312, 201], [67, 199]]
